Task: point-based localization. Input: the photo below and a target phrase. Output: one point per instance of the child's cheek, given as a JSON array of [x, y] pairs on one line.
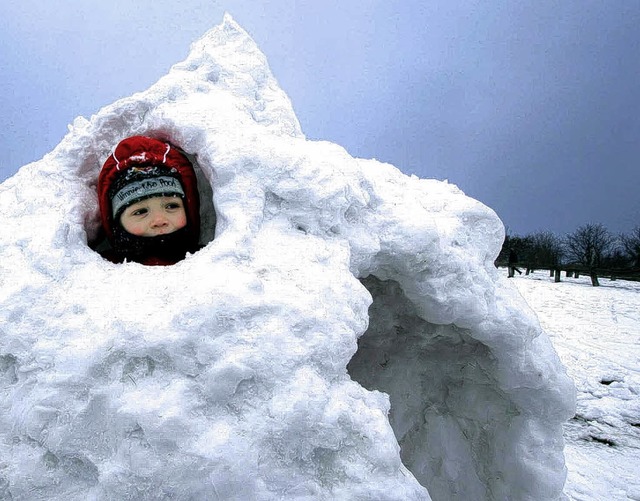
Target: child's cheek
[[137, 229], [132, 226], [183, 222]]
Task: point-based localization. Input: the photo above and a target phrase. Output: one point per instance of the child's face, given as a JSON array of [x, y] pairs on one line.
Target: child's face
[[154, 216]]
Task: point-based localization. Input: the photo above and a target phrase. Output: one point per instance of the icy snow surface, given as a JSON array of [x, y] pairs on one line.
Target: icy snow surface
[[597, 333], [344, 336]]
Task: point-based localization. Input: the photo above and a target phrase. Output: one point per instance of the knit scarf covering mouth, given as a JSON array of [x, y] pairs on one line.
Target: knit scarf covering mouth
[[171, 247]]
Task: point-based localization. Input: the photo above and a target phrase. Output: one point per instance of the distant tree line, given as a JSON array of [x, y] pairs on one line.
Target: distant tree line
[[591, 249]]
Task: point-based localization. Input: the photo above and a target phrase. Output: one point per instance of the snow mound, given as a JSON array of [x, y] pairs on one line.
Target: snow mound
[[345, 335]]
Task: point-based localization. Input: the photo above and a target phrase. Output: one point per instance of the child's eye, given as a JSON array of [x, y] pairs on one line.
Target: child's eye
[[139, 212], [173, 206]]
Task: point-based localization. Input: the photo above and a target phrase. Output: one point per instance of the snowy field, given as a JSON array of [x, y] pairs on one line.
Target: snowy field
[[596, 331]]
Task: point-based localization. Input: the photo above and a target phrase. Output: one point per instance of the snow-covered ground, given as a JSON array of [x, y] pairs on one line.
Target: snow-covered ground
[[596, 331]]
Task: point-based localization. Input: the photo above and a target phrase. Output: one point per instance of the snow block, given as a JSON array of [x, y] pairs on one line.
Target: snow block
[[343, 334]]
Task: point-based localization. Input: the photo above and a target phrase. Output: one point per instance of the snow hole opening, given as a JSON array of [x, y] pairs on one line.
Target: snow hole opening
[[446, 407], [97, 240]]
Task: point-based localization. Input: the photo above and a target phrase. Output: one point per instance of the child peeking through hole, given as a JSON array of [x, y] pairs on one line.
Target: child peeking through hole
[[149, 203]]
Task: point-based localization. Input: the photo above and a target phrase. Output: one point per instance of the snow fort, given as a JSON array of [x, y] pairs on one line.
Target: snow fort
[[342, 334]]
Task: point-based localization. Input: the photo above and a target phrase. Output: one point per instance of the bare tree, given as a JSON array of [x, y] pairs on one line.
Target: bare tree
[[631, 246], [547, 250], [587, 246]]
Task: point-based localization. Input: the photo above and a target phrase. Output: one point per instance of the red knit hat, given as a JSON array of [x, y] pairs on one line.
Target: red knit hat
[[141, 167]]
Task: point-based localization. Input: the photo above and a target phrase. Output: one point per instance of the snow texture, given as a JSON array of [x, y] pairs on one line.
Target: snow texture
[[345, 336]]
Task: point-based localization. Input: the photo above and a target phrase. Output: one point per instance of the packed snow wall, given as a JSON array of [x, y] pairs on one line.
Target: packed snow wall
[[343, 334]]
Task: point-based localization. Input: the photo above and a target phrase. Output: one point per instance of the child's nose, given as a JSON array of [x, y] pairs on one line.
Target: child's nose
[[159, 220]]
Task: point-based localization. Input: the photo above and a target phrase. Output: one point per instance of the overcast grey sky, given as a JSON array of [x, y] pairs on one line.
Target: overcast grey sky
[[531, 107]]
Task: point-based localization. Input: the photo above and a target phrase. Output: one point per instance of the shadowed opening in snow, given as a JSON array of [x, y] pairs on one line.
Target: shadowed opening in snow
[[446, 411], [207, 211]]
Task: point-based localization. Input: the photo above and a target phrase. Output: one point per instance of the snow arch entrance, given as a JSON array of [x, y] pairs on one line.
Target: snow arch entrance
[[446, 410]]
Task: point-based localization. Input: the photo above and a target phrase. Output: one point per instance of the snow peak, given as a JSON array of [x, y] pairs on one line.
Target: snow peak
[[157, 186]]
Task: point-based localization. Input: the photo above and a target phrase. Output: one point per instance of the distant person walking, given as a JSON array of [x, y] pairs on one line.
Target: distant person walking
[[513, 260]]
